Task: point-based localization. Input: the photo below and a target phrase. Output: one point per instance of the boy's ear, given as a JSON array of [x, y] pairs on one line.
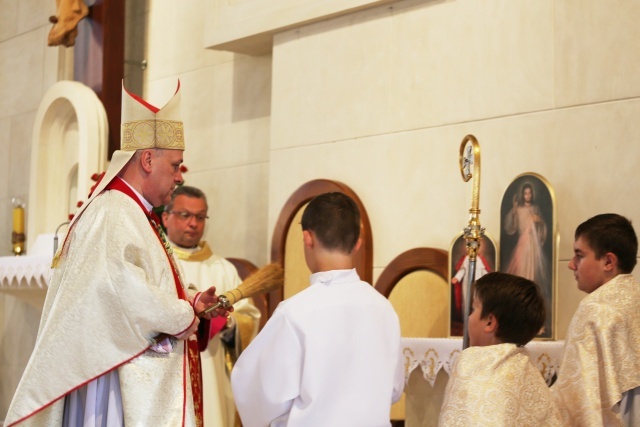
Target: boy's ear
[[610, 261], [491, 325], [307, 238], [357, 246]]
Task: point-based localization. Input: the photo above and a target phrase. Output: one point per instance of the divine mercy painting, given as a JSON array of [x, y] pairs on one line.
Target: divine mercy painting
[[527, 237]]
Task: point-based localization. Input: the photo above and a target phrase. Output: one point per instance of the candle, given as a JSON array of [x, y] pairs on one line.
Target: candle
[[18, 220]]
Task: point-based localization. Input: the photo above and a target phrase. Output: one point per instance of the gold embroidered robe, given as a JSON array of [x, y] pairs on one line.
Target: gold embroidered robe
[[494, 386], [112, 292], [601, 358]]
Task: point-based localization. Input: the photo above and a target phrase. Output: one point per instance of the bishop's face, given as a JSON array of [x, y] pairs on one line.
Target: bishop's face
[[165, 175]]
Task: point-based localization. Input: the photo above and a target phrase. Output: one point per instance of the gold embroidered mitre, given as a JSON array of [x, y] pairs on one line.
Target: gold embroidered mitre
[[145, 126]]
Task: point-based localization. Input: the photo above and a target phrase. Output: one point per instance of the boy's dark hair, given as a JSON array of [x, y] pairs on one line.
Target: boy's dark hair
[[335, 220], [185, 190], [517, 304], [611, 233]]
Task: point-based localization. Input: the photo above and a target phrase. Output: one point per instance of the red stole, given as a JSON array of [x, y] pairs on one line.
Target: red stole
[[192, 352]]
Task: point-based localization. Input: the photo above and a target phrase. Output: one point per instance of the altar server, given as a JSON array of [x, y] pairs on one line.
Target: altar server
[[329, 355], [493, 382], [599, 379]]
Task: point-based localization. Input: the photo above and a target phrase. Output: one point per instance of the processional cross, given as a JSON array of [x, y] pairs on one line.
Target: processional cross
[[473, 232]]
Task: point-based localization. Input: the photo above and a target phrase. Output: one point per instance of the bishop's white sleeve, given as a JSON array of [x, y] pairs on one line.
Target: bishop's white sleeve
[[266, 378]]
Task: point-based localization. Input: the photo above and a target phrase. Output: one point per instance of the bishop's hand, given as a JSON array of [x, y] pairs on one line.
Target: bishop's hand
[[207, 299]]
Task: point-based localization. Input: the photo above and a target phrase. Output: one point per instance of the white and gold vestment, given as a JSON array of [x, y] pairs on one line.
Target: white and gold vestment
[[112, 292], [494, 386], [601, 360]]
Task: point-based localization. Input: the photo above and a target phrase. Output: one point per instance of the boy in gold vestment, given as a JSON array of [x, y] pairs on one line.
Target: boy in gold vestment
[[493, 382], [599, 377]]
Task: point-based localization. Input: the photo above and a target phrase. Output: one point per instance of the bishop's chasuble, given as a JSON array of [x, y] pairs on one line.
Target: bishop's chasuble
[[113, 291]]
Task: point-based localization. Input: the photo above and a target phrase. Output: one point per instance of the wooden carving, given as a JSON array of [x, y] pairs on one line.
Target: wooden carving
[[65, 23]]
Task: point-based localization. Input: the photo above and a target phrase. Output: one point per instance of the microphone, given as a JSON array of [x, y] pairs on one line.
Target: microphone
[[55, 237]]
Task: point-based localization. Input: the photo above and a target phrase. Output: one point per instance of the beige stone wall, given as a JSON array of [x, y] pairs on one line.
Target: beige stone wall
[[381, 99], [226, 107], [27, 69]]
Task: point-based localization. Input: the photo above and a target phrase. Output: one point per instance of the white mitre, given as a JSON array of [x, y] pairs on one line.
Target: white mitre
[[142, 126]]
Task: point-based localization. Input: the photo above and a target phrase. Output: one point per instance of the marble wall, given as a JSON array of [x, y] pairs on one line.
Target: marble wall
[[27, 68], [380, 100], [226, 108]]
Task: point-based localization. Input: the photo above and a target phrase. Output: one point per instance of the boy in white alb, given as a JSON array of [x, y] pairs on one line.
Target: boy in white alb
[[330, 355]]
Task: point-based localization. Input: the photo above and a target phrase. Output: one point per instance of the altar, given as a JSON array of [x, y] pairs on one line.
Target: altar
[[28, 273], [424, 388]]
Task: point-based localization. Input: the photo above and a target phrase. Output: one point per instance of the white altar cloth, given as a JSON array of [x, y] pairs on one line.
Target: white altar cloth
[[434, 354], [31, 271], [25, 272]]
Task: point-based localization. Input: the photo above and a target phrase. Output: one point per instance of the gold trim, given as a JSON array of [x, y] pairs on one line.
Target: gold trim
[[202, 254], [142, 134]]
